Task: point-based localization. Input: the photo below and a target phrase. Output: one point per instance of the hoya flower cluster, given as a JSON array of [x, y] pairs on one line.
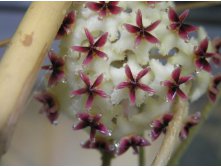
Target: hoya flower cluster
[[120, 68]]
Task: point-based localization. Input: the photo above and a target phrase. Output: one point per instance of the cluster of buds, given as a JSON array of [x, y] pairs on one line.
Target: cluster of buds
[[125, 64]]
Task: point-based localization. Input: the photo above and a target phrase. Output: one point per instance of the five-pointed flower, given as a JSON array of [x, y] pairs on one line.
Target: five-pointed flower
[[192, 121], [201, 53], [66, 25], [50, 106], [92, 50], [174, 84], [103, 8], [141, 31], [90, 89], [92, 121], [131, 141], [133, 83], [176, 23], [57, 68], [213, 89], [160, 126]]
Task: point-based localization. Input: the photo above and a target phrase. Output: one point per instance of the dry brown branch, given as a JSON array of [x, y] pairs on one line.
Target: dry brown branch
[[23, 58]]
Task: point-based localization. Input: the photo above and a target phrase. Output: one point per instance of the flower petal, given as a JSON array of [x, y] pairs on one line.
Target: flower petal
[[103, 129], [167, 118], [115, 9], [85, 78], [98, 81], [132, 94], [94, 6], [114, 3], [124, 145], [102, 40], [185, 79], [89, 36], [88, 58], [181, 93], [150, 38], [183, 15], [123, 85], [172, 15], [185, 29], [142, 73], [100, 93], [204, 45], [140, 141], [203, 64], [146, 88], [129, 73], [167, 83], [79, 91], [152, 26], [139, 19], [176, 74], [80, 49], [89, 101], [131, 28], [101, 54], [138, 40], [80, 125], [84, 116], [171, 94]]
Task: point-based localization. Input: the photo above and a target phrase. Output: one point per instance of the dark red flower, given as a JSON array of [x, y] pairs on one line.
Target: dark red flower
[[217, 45], [66, 25], [192, 121], [174, 84], [50, 106], [160, 126], [133, 83], [57, 68], [92, 50], [92, 121], [131, 141], [90, 89], [176, 23], [201, 53], [100, 144], [213, 89], [141, 31], [103, 8]]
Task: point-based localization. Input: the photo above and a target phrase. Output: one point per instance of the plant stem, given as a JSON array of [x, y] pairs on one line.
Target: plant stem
[[180, 109], [106, 158], [141, 156], [208, 108], [22, 60], [4, 42]]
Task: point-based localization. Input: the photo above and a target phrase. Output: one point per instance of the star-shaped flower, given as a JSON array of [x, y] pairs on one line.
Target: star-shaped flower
[[176, 23], [57, 68], [192, 121], [131, 141], [103, 8], [174, 84], [92, 121], [134, 83], [90, 89], [213, 89], [141, 31], [201, 54], [50, 106], [160, 126], [92, 49], [66, 25]]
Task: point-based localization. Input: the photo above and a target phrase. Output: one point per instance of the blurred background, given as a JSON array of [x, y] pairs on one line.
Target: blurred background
[[37, 142]]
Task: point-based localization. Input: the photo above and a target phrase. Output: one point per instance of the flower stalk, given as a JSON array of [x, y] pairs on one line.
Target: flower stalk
[[180, 109], [28, 45]]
